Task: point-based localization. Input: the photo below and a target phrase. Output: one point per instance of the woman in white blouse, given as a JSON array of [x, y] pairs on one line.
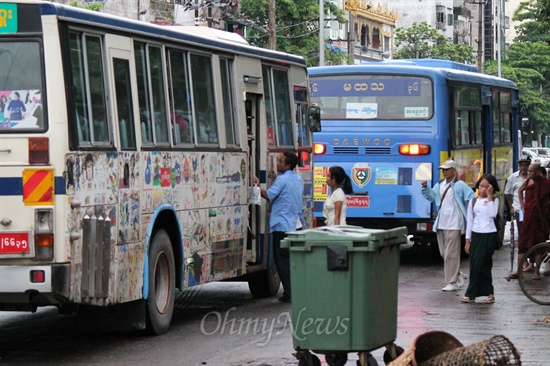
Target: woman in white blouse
[[334, 209], [481, 239]]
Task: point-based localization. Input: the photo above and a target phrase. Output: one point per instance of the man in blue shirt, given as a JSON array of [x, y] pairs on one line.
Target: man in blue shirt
[[286, 197]]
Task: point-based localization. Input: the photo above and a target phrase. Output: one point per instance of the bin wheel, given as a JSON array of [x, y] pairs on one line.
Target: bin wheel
[[388, 358], [313, 361], [336, 358], [371, 361]]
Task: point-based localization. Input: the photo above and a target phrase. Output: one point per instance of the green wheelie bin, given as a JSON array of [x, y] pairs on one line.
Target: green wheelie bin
[[344, 292]]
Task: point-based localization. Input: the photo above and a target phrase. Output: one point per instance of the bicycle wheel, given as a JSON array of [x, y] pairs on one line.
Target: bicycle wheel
[[537, 289]]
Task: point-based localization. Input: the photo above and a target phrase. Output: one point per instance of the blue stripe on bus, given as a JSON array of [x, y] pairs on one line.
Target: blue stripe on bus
[[11, 186], [60, 185]]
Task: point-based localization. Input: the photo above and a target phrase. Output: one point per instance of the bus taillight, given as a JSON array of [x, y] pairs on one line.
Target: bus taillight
[[319, 149], [39, 150], [43, 234], [414, 149]]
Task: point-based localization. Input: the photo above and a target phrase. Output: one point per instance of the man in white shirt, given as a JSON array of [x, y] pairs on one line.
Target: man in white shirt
[[511, 190], [451, 197]]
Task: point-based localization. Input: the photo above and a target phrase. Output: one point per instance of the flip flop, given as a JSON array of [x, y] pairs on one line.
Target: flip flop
[[536, 278], [511, 276], [489, 300], [466, 300]]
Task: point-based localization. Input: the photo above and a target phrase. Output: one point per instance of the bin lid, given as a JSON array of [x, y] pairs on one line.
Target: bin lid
[[351, 236]]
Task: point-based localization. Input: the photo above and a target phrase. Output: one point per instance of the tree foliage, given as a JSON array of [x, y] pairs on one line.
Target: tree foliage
[[421, 40], [527, 63], [92, 6], [297, 26]]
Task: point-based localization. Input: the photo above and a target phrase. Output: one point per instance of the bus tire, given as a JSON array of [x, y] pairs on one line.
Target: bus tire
[[264, 283], [162, 284]]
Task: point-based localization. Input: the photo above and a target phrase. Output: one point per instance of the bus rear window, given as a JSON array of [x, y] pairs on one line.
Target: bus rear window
[[376, 97], [21, 87]]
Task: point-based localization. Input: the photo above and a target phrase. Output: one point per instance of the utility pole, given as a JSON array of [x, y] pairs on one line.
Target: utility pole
[[480, 37], [272, 33], [501, 22], [321, 33]]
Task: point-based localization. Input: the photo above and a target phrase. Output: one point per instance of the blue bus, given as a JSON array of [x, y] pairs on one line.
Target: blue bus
[[391, 124]]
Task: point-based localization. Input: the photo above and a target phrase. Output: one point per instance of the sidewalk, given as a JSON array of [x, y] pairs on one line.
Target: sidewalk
[[424, 307]]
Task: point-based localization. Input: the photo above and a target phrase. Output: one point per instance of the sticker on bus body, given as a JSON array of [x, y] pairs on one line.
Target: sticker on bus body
[[361, 110], [8, 18], [358, 201]]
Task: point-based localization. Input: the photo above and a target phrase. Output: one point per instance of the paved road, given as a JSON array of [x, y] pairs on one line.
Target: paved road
[[197, 338], [423, 307]]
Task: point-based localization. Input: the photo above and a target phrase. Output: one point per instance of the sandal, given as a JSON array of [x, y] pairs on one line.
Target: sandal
[[466, 300], [511, 276], [536, 278], [489, 300]]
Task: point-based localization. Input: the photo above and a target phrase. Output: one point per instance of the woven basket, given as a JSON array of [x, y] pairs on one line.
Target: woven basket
[[495, 351], [425, 347]]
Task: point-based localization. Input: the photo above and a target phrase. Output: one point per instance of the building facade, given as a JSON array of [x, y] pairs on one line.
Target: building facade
[[370, 30]]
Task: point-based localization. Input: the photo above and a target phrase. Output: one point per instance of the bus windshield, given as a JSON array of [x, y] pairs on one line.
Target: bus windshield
[[21, 87], [377, 97]]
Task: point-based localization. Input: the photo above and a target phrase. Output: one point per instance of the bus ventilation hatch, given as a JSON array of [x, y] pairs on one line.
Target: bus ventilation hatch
[[346, 150], [404, 204], [377, 151], [96, 256]]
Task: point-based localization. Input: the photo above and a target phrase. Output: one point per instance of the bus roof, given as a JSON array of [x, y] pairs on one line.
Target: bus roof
[[215, 39], [408, 67]]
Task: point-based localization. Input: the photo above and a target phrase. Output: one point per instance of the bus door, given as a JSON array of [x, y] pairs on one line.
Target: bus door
[[305, 151], [253, 245]]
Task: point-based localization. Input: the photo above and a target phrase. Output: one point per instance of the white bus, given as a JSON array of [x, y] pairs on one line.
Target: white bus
[[126, 152]]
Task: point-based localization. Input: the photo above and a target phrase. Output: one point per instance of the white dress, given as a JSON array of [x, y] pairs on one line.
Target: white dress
[[328, 210]]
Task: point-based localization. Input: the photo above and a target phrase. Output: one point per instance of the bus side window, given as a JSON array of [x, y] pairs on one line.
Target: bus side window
[[143, 94], [152, 99], [88, 88], [124, 103], [181, 113], [282, 106], [203, 98], [158, 98]]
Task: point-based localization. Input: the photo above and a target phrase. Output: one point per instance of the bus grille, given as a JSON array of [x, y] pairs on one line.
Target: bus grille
[[404, 204], [346, 150], [377, 151], [405, 176], [354, 150], [318, 206], [96, 256]]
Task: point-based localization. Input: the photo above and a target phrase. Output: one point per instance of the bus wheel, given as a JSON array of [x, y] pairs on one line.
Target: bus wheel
[[264, 283], [162, 284]]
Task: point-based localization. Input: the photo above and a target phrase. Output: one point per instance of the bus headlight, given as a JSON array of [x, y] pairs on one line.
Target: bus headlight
[[43, 234]]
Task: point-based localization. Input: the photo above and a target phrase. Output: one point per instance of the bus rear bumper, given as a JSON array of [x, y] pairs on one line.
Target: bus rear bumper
[[49, 287]]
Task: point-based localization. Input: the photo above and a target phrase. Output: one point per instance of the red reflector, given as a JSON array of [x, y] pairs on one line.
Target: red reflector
[[38, 277], [39, 150], [319, 149], [43, 240]]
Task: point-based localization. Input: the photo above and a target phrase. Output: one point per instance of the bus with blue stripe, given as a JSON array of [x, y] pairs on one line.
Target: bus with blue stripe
[[391, 124], [127, 152]]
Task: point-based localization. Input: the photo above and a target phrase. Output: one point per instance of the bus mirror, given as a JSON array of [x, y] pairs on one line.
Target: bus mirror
[[315, 119]]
